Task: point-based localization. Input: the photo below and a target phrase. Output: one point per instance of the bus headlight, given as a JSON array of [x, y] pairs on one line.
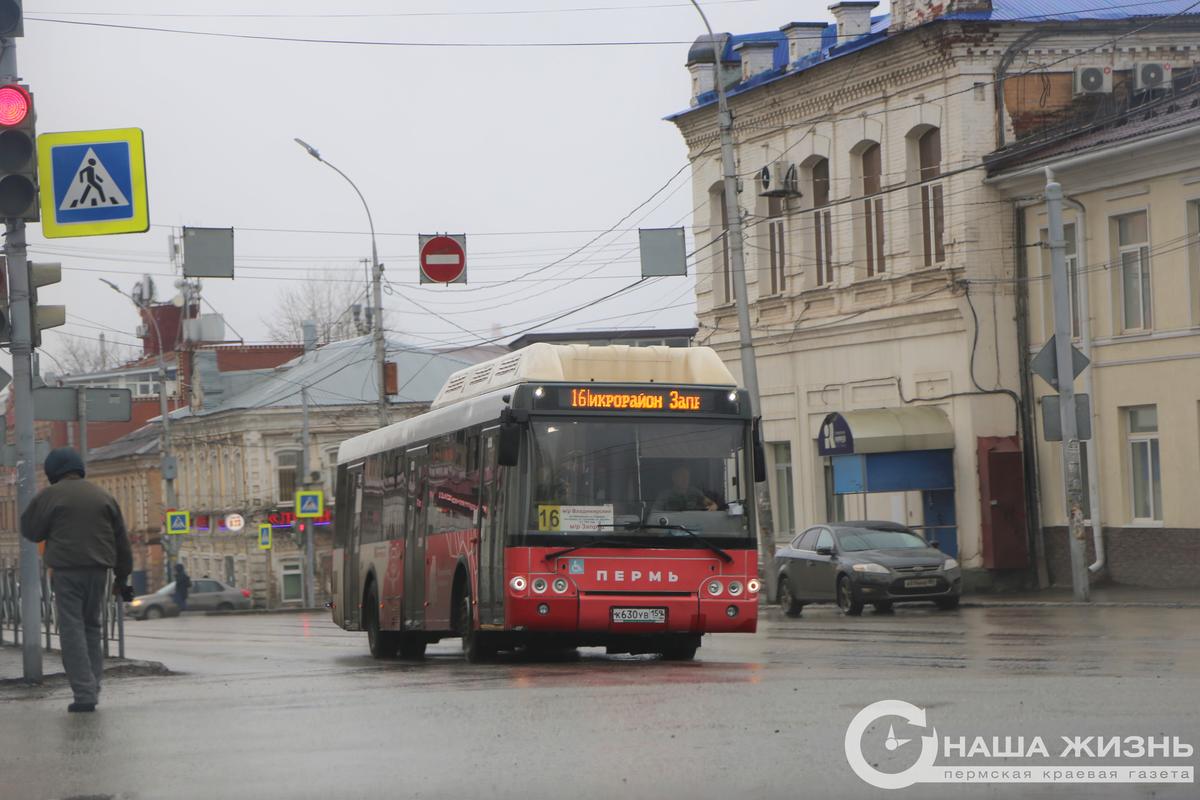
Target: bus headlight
[[754, 585], [560, 585], [539, 585], [518, 584], [735, 588], [714, 587]]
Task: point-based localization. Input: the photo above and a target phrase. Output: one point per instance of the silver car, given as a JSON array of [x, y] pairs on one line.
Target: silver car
[[206, 594]]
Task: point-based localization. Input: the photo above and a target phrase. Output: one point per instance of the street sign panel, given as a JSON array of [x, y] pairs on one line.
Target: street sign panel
[[264, 536], [1045, 363], [310, 503], [1052, 417], [61, 404], [179, 522], [207, 252], [663, 251], [93, 183], [443, 258], [235, 522]]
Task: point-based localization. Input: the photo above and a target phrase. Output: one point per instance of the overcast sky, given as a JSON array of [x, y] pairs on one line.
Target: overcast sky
[[530, 151]]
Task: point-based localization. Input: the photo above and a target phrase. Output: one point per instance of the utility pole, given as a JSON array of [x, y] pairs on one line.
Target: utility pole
[[1066, 388], [22, 358], [310, 596], [762, 491]]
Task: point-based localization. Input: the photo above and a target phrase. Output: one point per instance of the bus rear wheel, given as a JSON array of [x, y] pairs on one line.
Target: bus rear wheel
[[382, 644]]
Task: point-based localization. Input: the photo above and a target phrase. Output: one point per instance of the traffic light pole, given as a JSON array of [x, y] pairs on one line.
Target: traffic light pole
[[22, 388], [310, 595]]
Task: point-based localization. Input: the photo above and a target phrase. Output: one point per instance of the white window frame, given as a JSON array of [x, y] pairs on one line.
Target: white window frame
[[777, 246], [1145, 274], [784, 483], [286, 570], [279, 469], [1153, 447]]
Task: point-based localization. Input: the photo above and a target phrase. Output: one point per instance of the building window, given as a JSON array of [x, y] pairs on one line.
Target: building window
[[287, 466], [1142, 424], [292, 581], [871, 214], [721, 219], [785, 507], [1133, 253], [776, 236], [1072, 262], [933, 225], [822, 226]]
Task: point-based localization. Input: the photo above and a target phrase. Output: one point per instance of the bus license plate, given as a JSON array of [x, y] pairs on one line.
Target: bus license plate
[[918, 583], [643, 615]]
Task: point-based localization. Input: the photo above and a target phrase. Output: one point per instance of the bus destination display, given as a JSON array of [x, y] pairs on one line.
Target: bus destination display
[[666, 400]]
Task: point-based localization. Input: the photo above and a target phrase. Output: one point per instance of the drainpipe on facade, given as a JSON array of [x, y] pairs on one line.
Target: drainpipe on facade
[[1089, 386], [1028, 408]]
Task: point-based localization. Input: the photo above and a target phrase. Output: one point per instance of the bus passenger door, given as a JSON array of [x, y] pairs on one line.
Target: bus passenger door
[[414, 537], [351, 595], [491, 530]]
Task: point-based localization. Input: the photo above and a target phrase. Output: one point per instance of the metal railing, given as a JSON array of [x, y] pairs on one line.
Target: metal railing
[[112, 617]]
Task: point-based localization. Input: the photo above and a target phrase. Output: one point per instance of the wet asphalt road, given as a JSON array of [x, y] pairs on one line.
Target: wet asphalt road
[[288, 706]]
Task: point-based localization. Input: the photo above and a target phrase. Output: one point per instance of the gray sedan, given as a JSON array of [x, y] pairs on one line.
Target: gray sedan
[[855, 563], [206, 594]]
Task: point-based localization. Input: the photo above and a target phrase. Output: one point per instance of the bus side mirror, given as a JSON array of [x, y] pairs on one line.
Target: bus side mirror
[[508, 451], [760, 454]]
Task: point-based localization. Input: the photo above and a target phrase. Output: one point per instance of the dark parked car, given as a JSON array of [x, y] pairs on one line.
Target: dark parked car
[[206, 595], [856, 563]]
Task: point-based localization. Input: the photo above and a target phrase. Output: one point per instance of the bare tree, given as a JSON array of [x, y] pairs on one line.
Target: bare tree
[[75, 355], [339, 309]]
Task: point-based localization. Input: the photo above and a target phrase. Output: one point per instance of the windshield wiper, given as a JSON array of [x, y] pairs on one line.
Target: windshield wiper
[[605, 541], [643, 526]]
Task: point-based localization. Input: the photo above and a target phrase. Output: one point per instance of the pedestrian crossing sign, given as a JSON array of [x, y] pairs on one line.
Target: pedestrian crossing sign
[[179, 522], [264, 536], [93, 183], [310, 503]]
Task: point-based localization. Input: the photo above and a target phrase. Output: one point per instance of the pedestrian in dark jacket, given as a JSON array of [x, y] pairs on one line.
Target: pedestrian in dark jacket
[[182, 584], [85, 537]]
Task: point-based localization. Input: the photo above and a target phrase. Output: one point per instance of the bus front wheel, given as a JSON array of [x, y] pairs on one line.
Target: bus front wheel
[[476, 644]]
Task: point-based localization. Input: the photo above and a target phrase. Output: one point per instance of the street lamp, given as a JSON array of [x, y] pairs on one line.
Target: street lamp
[[737, 266], [167, 466], [376, 284]]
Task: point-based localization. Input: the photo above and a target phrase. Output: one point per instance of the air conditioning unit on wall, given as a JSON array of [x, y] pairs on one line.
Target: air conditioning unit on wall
[[1093, 80], [778, 179], [1151, 75]]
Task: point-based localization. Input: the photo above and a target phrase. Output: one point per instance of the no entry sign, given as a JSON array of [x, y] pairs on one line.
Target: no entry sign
[[443, 258]]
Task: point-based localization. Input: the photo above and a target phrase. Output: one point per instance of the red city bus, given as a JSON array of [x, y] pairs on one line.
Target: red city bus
[[559, 496]]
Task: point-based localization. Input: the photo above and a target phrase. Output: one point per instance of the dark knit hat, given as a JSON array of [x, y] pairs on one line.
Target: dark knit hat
[[62, 462]]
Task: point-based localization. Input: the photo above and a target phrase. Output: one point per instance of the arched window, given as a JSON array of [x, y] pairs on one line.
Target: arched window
[[871, 215], [821, 222], [933, 225], [719, 226]]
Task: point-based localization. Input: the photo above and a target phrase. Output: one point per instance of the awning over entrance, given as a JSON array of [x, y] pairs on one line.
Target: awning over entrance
[[885, 430]]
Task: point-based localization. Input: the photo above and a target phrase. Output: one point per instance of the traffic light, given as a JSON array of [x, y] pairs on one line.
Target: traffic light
[[300, 529], [42, 317], [11, 19], [18, 153]]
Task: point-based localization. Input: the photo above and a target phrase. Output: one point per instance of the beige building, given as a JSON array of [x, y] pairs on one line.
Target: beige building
[[1132, 227], [879, 262]]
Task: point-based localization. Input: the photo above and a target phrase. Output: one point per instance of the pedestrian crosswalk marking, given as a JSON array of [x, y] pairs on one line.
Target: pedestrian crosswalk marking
[[310, 503], [92, 186], [179, 521]]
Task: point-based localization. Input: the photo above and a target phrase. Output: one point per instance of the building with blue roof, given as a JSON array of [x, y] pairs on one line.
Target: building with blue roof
[[880, 267]]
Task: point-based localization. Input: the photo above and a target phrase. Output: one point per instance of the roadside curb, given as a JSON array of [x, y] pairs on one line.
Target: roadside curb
[[243, 611], [113, 668], [1073, 604]]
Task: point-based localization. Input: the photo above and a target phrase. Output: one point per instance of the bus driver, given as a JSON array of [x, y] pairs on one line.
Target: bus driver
[[682, 496]]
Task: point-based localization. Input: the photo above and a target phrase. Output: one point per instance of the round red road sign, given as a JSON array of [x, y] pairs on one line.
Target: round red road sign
[[443, 259]]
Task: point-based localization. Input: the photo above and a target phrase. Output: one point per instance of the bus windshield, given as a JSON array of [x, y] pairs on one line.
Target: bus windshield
[[617, 475]]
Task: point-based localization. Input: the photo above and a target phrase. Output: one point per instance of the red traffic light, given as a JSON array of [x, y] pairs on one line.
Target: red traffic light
[[14, 105]]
